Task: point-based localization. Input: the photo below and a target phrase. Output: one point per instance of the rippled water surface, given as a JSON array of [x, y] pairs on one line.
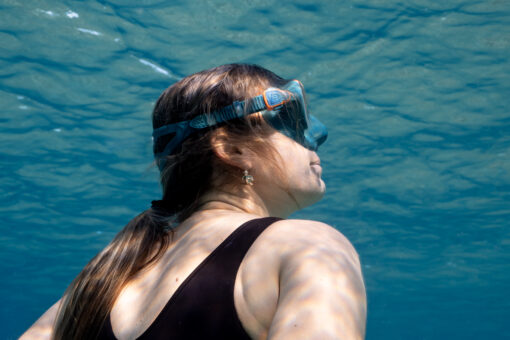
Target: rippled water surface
[[415, 95]]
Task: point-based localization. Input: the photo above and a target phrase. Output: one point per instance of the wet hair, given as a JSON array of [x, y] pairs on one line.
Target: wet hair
[[190, 172]]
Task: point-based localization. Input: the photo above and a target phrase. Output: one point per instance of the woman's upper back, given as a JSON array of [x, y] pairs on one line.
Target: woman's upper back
[[292, 248], [299, 280]]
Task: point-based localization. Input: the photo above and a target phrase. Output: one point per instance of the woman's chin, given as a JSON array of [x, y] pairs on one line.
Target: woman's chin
[[313, 196]]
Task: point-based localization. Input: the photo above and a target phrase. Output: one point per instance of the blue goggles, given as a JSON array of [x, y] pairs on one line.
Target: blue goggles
[[284, 109]]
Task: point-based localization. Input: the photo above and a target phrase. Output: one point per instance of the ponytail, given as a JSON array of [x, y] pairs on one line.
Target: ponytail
[[90, 297]]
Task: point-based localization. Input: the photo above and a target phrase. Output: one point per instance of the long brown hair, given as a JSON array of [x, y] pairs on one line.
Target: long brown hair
[[189, 173]]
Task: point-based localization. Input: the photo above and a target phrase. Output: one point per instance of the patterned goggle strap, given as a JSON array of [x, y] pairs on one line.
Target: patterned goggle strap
[[269, 100], [176, 133]]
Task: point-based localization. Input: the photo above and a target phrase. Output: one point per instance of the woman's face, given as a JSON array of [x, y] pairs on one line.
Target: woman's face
[[301, 183]]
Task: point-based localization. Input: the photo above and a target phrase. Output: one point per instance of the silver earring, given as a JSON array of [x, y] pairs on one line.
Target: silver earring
[[247, 178]]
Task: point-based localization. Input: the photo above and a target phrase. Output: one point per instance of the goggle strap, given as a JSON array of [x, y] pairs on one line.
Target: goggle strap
[[256, 104], [181, 129], [271, 99], [236, 110], [166, 129]]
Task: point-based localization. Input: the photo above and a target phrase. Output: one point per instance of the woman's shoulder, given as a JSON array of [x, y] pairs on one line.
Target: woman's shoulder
[[302, 270], [317, 273], [296, 235]]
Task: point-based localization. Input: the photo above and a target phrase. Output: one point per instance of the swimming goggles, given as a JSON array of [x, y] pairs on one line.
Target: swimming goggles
[[283, 108]]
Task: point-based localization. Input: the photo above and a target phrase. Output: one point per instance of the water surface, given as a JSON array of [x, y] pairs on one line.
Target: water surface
[[415, 95]]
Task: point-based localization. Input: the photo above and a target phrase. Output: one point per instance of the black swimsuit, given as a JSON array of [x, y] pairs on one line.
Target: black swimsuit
[[203, 305]]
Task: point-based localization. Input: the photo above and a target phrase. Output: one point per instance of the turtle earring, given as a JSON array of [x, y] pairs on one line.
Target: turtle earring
[[247, 178]]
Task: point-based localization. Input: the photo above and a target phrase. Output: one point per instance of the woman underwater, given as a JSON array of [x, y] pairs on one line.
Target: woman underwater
[[216, 258]]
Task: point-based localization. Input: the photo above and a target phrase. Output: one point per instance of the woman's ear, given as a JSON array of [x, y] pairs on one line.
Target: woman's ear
[[230, 153]]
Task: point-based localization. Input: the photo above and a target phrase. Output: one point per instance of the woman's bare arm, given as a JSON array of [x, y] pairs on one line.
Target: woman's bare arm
[[322, 294], [43, 327]]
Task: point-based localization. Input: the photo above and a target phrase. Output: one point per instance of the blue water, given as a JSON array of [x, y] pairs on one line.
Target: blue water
[[415, 95]]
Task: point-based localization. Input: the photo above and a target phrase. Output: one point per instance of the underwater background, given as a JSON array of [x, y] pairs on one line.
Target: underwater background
[[416, 96]]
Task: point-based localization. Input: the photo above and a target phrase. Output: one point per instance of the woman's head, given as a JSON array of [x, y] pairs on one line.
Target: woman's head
[[208, 158], [194, 168]]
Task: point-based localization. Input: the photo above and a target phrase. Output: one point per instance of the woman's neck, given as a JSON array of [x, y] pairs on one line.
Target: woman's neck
[[245, 200]]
